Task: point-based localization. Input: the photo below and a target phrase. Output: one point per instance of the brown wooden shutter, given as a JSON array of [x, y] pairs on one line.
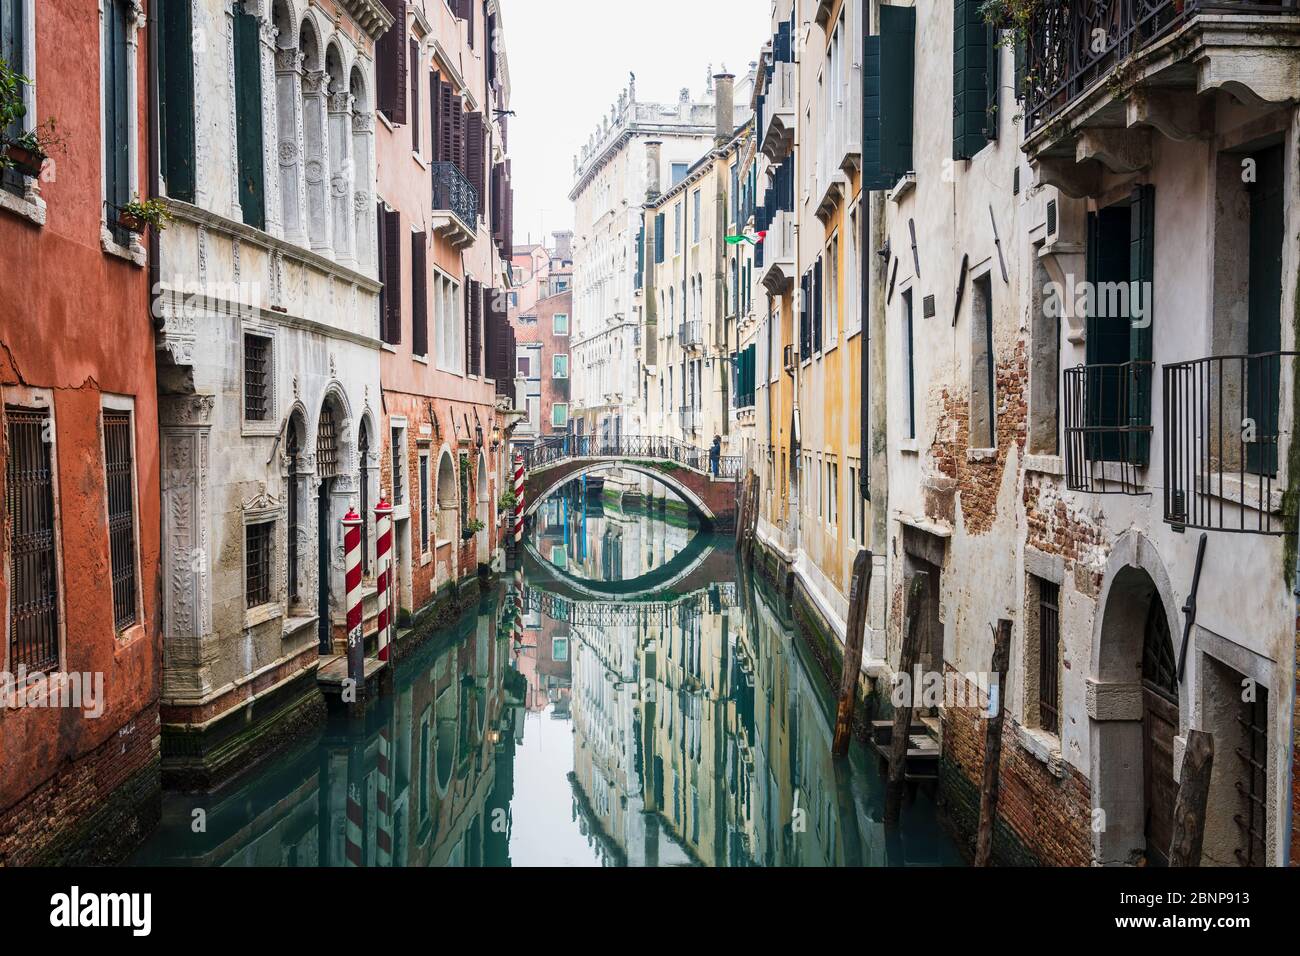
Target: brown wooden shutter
[[393, 276], [413, 63], [476, 330], [419, 297], [471, 289], [435, 116], [458, 138], [447, 108], [475, 155], [382, 248], [391, 65]]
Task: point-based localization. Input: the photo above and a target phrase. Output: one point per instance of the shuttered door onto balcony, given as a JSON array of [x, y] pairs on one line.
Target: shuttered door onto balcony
[[117, 142], [419, 296], [120, 478], [1142, 272], [448, 107], [969, 84], [33, 565], [176, 99], [391, 65], [392, 277], [476, 156], [13, 37], [248, 118]]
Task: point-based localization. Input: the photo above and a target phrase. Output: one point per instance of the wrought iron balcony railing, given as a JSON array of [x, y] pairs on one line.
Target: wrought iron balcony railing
[[1107, 426], [551, 451], [1064, 57], [1222, 443], [690, 418], [452, 191], [690, 334]]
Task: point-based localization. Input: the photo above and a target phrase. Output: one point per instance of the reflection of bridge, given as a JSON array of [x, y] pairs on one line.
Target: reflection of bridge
[[687, 469], [626, 613], [705, 559]]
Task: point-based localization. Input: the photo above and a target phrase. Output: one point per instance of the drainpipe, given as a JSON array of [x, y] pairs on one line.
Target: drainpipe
[[155, 181]]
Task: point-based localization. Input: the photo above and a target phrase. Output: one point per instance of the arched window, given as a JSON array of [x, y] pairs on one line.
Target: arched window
[[447, 498], [293, 452]]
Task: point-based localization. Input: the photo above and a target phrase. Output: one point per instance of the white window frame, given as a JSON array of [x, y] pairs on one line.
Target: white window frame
[[428, 529], [555, 324], [451, 337], [271, 426], [555, 357], [125, 403], [30, 205], [136, 252], [565, 406]]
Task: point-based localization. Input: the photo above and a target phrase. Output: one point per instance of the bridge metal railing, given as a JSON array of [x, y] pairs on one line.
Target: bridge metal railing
[[602, 614], [646, 447]]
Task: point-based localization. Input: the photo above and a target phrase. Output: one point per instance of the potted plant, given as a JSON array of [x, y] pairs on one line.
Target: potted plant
[[1011, 15], [506, 503], [472, 528], [139, 214]]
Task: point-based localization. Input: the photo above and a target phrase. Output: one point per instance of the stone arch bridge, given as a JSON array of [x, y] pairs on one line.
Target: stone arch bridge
[[686, 469]]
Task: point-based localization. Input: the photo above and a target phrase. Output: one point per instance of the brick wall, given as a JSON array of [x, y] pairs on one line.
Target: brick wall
[[1041, 819], [95, 809]]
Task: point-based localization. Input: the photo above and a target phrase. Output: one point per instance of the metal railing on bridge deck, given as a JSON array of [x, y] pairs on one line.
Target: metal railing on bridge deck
[[601, 614], [647, 447]]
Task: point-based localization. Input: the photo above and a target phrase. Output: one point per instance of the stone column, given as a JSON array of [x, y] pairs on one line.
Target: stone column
[[363, 202], [289, 126], [270, 161], [342, 173], [316, 166]]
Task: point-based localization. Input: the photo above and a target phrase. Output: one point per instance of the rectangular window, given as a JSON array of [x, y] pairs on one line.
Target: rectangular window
[[117, 112], [13, 39], [833, 292], [983, 393], [248, 117], [119, 471], [559, 648], [391, 65], [175, 99], [523, 366], [257, 378], [1049, 640], [561, 326], [696, 216], [679, 171], [559, 366], [560, 415], [424, 502], [414, 64], [1044, 366], [833, 486], [974, 54], [398, 451], [257, 563], [677, 229], [33, 563], [909, 363]]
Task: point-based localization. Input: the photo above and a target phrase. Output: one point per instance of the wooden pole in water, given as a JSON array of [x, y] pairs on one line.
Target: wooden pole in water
[[903, 713], [356, 646], [859, 593], [993, 744], [1193, 794]]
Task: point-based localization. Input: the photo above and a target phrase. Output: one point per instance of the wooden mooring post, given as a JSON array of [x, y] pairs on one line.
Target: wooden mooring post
[[993, 743], [859, 596], [1193, 795], [898, 740]]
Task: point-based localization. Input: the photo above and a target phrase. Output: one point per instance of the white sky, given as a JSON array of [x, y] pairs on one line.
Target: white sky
[[569, 59]]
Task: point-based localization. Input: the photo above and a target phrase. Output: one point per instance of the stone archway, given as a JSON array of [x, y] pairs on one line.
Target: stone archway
[[483, 508], [1134, 707]]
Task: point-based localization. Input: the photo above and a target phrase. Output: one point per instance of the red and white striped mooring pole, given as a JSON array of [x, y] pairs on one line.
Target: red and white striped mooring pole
[[352, 578], [519, 497], [384, 571]]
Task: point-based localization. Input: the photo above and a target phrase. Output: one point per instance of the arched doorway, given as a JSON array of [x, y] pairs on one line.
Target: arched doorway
[[1134, 711], [327, 471], [484, 510]]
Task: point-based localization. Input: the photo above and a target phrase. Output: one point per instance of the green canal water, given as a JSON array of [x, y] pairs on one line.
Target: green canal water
[[630, 698]]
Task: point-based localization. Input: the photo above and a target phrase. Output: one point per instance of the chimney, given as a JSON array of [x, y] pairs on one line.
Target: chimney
[[652, 164], [724, 107]]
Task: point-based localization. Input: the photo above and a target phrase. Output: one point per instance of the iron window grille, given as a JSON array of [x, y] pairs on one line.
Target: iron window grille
[[257, 378], [399, 469], [1107, 426], [33, 563], [1222, 444], [327, 449], [119, 475], [1253, 789], [424, 504], [257, 558], [1049, 641], [293, 450]]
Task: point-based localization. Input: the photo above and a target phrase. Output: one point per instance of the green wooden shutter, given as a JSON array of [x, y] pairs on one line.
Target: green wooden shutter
[[1142, 273], [659, 237], [873, 174], [969, 86], [897, 69], [992, 82], [117, 146], [176, 99], [248, 118]]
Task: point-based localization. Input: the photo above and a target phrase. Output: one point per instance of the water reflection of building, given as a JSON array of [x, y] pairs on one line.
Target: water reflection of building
[[442, 799]]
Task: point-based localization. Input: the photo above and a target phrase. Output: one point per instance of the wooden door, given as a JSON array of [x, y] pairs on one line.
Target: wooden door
[[1265, 307], [1159, 727]]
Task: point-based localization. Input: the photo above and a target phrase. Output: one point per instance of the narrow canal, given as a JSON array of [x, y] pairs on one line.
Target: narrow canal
[[630, 699]]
